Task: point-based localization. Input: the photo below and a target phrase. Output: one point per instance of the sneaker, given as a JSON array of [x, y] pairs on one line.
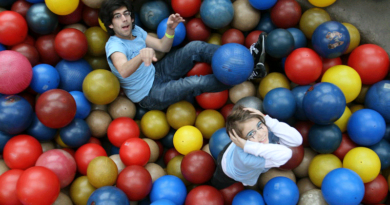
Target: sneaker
[[258, 52]]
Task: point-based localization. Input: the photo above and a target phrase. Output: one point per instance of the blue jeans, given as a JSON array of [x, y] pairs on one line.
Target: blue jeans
[[170, 87]]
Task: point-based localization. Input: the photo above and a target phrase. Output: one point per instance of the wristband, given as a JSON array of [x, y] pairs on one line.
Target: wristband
[[169, 36]]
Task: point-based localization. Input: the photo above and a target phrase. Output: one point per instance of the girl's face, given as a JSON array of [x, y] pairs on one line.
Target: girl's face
[[254, 130]]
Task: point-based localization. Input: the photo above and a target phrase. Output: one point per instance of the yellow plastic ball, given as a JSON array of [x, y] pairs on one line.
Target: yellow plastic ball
[[81, 190], [364, 161], [321, 165], [272, 81], [59, 140], [345, 78], [215, 38], [101, 87], [101, 24], [102, 171], [354, 36], [209, 121], [62, 7], [361, 98], [343, 120], [154, 124], [311, 19], [355, 108], [322, 3], [97, 39], [174, 168], [180, 114], [187, 139]]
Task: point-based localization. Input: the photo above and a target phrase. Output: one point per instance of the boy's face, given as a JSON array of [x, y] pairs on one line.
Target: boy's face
[[254, 130], [122, 23]]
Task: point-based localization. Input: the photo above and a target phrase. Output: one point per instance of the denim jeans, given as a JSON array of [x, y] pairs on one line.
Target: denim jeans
[[170, 86]]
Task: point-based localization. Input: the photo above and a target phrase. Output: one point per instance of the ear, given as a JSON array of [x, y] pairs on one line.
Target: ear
[[111, 26]]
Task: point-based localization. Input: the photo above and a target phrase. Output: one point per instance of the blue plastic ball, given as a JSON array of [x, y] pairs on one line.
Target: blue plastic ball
[[4, 137], [382, 149], [169, 187], [40, 19], [281, 190], [248, 197], [324, 139], [152, 13], [387, 133], [167, 141], [72, 74], [266, 23], [279, 103], [163, 202], [76, 133], [324, 103], [216, 14], [108, 195], [342, 186], [114, 150], [40, 131], [232, 64], [263, 4], [366, 127], [299, 93], [82, 104], [180, 32], [279, 43], [35, 1], [45, 77], [299, 38], [16, 114], [218, 141], [378, 98], [330, 39], [2, 47]]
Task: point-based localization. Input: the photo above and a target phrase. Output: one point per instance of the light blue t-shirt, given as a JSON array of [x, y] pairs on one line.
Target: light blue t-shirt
[[138, 84], [244, 167]]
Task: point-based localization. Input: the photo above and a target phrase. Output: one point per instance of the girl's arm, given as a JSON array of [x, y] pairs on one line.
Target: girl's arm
[[288, 135], [275, 155]]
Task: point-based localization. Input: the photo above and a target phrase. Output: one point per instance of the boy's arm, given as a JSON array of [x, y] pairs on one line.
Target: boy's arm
[[288, 135], [127, 67], [275, 155]]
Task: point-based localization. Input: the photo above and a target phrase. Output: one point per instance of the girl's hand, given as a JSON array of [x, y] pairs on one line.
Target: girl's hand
[[174, 20], [236, 139], [254, 111]]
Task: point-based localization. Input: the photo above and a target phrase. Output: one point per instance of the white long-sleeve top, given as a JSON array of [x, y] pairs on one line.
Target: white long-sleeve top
[[246, 165]]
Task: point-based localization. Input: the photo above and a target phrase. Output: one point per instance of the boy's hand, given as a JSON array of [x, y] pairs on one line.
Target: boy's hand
[[147, 56], [254, 111], [174, 20], [237, 140]]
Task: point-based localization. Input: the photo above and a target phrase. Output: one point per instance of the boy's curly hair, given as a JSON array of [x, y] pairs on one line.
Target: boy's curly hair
[[238, 116], [107, 9]]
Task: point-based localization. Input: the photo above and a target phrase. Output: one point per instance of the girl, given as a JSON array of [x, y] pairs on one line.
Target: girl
[[259, 143]]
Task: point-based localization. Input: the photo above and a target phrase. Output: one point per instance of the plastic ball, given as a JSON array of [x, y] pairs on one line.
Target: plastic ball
[[134, 151], [101, 87], [45, 77], [16, 114], [169, 187], [280, 190], [303, 66], [187, 138], [14, 28], [364, 162]]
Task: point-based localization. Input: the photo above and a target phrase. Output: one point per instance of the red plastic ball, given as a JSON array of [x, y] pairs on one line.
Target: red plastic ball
[[330, 62], [55, 108], [61, 163], [345, 145], [134, 151], [86, 154], [94, 140], [371, 62], [13, 29], [29, 51], [303, 66], [170, 154], [16, 72], [186, 8], [286, 13], [230, 192], [71, 44], [21, 152], [73, 17], [233, 36], [376, 190], [121, 129], [70, 151], [135, 181], [199, 69], [197, 167], [204, 194], [91, 16], [226, 110], [29, 40], [8, 181], [296, 159], [38, 185], [47, 53], [303, 128], [21, 7], [252, 38], [213, 100], [197, 30], [160, 148]]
